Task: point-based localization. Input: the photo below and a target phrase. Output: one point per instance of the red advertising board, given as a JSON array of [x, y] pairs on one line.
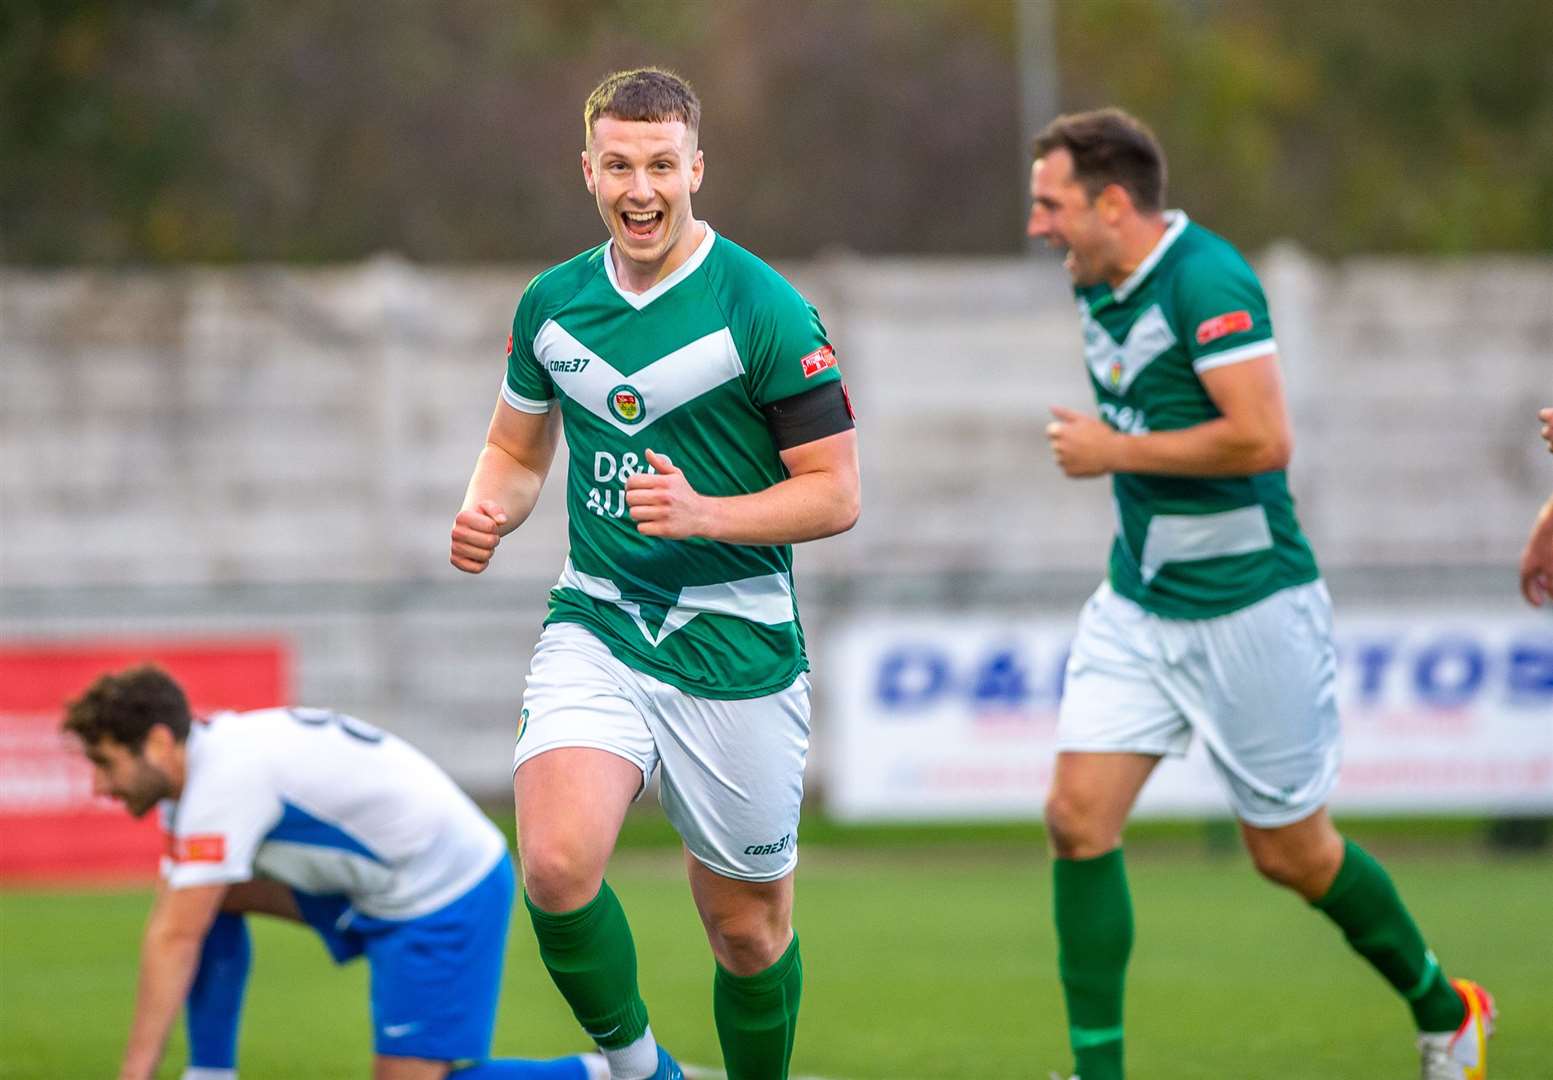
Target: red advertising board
[[51, 827]]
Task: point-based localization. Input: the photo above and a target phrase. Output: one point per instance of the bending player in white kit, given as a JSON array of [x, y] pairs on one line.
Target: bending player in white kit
[[316, 817]]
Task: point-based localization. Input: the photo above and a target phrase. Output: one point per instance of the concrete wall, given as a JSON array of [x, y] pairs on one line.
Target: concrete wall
[[281, 450]]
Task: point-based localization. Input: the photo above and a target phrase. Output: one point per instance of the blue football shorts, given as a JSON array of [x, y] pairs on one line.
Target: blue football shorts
[[436, 978]]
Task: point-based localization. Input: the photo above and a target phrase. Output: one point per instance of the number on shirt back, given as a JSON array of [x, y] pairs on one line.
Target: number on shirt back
[[356, 729]]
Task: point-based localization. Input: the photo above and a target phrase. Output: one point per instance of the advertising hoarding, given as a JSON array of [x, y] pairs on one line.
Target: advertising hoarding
[[954, 717]]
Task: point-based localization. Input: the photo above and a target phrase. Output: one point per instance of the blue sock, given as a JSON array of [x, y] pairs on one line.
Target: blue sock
[[215, 1001], [567, 1068]]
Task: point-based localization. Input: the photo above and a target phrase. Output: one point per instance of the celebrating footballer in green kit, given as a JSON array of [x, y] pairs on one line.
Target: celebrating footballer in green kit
[[1213, 619], [708, 430]]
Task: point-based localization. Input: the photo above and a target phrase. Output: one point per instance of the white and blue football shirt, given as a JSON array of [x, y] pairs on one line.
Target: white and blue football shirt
[[328, 805]]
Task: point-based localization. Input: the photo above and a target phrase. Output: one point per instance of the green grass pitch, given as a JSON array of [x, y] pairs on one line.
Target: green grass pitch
[[928, 956]]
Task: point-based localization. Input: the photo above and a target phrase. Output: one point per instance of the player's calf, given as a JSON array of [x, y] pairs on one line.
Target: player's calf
[[214, 1004], [576, 1067], [1365, 905]]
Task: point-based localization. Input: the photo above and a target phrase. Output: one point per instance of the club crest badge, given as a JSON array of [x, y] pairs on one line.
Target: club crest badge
[[1118, 369], [625, 402]]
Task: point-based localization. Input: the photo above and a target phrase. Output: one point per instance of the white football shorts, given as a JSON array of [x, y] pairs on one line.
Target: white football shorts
[[1257, 685], [732, 770]]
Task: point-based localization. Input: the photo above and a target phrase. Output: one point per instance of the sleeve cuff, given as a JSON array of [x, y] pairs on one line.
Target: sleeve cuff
[[523, 404], [188, 876], [1265, 347]]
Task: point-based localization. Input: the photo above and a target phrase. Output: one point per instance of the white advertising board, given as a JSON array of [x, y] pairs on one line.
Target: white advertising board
[[954, 718]]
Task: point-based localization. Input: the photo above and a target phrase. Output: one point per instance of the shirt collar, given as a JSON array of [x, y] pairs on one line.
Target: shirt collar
[[683, 271], [1176, 223]]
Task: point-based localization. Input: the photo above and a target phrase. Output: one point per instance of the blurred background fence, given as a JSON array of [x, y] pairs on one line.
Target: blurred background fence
[[212, 453]]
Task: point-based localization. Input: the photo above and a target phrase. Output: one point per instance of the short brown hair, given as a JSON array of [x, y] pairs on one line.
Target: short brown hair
[[1109, 146], [647, 94], [125, 707]]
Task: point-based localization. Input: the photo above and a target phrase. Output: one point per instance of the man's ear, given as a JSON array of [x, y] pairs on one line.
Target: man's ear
[[697, 171], [587, 173], [160, 740], [1114, 203]]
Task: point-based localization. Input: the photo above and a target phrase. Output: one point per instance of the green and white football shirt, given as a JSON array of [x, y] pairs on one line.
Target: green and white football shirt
[[1188, 547], [683, 369]]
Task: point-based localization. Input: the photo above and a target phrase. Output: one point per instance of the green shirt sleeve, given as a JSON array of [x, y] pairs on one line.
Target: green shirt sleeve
[[1221, 313], [528, 387], [788, 350]]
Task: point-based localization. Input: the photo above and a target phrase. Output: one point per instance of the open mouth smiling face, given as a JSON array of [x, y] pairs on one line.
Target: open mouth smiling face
[[1060, 212], [642, 174], [1069, 259], [642, 224]]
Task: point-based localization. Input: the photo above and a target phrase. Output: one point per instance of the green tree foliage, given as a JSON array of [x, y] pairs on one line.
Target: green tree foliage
[[169, 130], [1378, 125]]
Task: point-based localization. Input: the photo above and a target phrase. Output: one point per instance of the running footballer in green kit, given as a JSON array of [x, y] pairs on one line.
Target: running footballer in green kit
[[707, 430], [1213, 620]]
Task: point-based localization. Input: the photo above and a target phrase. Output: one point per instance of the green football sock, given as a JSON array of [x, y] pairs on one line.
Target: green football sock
[[1094, 936], [1364, 904], [592, 959], [757, 1016]]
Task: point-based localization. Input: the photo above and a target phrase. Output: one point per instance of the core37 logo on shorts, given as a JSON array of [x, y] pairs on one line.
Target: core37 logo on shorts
[[625, 401], [771, 848]]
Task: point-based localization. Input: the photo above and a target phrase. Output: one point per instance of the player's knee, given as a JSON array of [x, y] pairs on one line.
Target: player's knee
[[749, 942], [1307, 869], [1075, 830], [1275, 864], [558, 878]]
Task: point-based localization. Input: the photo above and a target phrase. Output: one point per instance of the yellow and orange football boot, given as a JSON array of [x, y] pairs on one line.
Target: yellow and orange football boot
[[1461, 1054]]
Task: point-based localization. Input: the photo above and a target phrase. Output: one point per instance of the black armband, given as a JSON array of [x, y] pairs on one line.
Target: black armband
[[813, 414]]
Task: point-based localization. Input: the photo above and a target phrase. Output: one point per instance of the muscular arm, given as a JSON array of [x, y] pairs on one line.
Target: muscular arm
[[169, 957], [1251, 436], [820, 497], [509, 473]]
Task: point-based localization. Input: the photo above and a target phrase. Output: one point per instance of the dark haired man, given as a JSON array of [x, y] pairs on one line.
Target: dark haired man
[[315, 817], [708, 431], [1213, 619]]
